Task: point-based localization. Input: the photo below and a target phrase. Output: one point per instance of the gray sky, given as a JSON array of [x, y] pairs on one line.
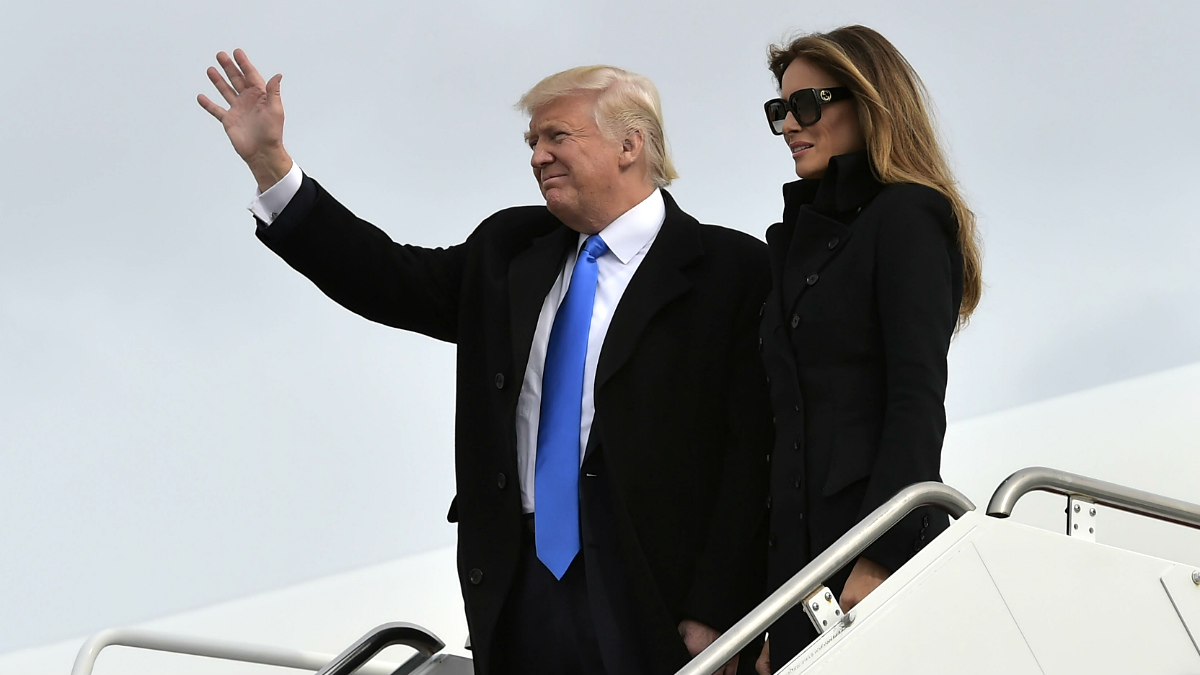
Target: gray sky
[[183, 419]]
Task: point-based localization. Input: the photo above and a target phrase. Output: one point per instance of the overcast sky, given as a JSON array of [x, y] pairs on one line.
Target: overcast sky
[[183, 419]]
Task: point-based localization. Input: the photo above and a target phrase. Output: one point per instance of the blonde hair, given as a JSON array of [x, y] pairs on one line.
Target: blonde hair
[[893, 110], [626, 103]]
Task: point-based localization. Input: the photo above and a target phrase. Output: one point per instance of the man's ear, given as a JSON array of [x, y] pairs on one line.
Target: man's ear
[[631, 149]]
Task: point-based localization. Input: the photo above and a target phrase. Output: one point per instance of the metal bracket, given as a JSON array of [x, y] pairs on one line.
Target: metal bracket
[[1182, 585], [823, 609], [1081, 518]]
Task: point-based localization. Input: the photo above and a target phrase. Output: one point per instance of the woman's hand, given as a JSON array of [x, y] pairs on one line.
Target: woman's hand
[[864, 578], [763, 665], [254, 120], [697, 637]]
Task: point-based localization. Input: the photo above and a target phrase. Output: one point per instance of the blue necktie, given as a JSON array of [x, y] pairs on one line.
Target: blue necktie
[[556, 473]]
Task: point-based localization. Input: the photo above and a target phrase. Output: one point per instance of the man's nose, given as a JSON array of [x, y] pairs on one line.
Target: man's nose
[[541, 157]]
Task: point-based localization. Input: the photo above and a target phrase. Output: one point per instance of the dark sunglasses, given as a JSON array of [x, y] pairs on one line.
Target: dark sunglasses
[[804, 104]]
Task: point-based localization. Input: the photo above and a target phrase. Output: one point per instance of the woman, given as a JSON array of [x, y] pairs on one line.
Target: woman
[[874, 267]]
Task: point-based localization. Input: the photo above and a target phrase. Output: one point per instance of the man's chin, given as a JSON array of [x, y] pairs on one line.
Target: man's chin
[[557, 206]]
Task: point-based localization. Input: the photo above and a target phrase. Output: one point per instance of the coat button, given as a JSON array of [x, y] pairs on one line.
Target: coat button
[[501, 481], [771, 540], [796, 445], [925, 522], [795, 320], [768, 503], [796, 407], [762, 309], [476, 576], [499, 380], [833, 243], [799, 482], [760, 344], [812, 279]]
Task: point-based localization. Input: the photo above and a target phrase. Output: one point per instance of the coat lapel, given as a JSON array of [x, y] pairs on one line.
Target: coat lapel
[[822, 212], [779, 240], [658, 280], [530, 276], [816, 240]]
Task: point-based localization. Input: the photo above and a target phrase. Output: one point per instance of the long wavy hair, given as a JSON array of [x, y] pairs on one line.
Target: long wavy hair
[[893, 110]]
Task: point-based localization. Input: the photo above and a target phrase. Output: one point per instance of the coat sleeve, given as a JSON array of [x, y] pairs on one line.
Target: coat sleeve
[[361, 268], [730, 576], [918, 290]]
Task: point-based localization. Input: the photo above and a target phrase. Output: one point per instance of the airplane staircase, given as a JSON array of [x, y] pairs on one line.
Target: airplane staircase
[[988, 595]]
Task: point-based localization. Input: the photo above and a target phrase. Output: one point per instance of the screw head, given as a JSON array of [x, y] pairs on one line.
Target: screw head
[[848, 618], [1196, 577], [1076, 508], [828, 596], [816, 606], [1092, 512]]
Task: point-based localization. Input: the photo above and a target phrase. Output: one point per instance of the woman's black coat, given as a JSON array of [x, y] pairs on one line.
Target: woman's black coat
[[867, 282]]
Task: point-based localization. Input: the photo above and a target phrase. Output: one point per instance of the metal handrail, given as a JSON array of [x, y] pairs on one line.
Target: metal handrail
[[244, 652], [1100, 492], [427, 644], [825, 565]]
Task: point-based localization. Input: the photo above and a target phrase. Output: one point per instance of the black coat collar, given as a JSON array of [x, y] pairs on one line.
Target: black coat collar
[[816, 223], [849, 184]]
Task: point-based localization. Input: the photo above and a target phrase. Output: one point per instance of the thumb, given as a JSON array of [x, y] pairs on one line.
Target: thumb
[[273, 84]]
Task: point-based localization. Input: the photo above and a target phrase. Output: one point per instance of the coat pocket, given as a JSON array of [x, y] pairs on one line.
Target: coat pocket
[[854, 451]]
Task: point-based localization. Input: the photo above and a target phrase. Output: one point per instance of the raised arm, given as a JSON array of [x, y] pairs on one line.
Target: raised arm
[[254, 119]]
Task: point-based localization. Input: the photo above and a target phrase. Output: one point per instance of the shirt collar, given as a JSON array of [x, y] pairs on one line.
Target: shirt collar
[[635, 229]]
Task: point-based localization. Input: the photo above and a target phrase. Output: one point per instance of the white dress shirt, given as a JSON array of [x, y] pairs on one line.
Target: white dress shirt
[[628, 238]]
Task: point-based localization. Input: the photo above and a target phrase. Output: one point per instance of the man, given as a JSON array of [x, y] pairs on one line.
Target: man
[[611, 501]]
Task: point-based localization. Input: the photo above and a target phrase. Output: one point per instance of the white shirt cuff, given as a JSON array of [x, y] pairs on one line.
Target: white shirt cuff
[[268, 205]]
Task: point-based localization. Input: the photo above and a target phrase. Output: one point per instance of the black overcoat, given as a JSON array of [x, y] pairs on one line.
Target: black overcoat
[[866, 286], [673, 498]]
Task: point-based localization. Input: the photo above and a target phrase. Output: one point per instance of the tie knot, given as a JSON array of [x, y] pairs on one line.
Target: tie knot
[[595, 246]]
